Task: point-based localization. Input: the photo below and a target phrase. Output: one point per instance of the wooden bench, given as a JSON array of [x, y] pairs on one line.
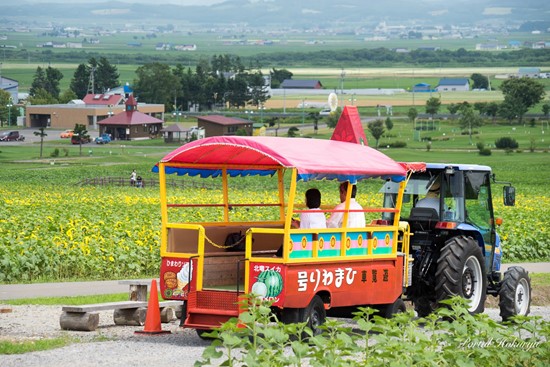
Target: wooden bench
[[132, 313]]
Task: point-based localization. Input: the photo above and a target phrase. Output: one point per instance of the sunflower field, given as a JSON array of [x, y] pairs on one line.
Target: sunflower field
[[52, 228]]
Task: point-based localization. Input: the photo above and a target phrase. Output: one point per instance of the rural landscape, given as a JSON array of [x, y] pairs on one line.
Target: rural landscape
[[69, 212]]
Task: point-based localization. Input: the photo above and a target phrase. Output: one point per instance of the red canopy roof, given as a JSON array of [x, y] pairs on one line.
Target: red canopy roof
[[313, 158]]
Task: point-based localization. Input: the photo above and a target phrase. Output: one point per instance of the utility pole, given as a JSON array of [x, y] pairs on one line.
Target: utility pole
[[91, 81], [342, 75], [9, 111]]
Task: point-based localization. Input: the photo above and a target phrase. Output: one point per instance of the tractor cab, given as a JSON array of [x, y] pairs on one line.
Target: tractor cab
[[443, 199], [449, 210]]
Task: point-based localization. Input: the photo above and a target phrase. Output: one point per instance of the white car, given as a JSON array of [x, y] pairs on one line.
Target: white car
[[325, 112]]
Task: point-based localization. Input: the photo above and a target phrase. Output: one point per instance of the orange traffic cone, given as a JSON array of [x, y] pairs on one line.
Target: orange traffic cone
[[152, 320]]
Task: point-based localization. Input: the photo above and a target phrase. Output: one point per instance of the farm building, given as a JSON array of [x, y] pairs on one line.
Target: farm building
[[217, 125], [11, 86], [178, 133], [301, 84], [422, 87], [130, 124], [453, 85], [529, 72], [88, 112]]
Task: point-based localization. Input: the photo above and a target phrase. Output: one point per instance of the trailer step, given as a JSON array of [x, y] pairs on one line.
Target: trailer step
[[208, 311]]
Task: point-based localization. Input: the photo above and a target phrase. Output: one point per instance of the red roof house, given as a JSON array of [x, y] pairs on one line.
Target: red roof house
[[103, 99], [130, 124]]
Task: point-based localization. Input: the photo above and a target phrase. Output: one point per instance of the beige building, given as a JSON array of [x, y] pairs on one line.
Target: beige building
[[89, 112]]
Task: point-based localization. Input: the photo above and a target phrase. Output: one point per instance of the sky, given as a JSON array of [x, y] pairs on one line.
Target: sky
[[176, 2]]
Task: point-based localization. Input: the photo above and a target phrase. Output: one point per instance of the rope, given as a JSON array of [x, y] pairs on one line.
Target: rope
[[223, 246]]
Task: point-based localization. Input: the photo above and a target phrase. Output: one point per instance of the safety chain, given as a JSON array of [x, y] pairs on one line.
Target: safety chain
[[223, 246]]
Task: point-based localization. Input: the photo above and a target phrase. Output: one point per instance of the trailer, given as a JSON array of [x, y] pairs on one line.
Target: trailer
[[221, 247]]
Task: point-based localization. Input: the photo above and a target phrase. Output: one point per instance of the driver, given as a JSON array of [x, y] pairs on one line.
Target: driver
[[431, 200]]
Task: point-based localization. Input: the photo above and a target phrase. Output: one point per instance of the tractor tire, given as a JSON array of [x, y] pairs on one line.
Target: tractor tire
[[314, 315], [461, 272], [392, 309], [515, 293]]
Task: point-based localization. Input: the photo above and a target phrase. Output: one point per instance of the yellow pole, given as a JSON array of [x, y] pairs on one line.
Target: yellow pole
[[290, 209], [225, 195], [343, 236], [163, 209], [281, 185]]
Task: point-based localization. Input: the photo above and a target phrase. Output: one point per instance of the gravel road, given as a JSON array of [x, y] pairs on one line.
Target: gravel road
[[112, 345]]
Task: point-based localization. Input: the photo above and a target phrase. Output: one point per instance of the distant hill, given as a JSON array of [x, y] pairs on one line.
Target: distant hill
[[289, 13]]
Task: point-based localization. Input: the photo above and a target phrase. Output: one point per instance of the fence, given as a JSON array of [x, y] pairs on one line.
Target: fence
[[146, 182]]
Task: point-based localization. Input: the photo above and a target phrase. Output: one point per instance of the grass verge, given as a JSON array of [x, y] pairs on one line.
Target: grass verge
[[78, 300], [26, 346]]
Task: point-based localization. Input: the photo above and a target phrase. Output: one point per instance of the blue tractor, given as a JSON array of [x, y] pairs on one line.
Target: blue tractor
[[455, 246]]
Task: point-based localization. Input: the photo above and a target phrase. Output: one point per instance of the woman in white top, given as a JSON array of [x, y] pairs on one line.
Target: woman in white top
[[312, 220], [355, 219]]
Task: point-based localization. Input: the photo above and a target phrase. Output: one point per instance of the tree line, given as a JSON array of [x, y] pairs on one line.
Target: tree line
[[222, 81], [363, 57]]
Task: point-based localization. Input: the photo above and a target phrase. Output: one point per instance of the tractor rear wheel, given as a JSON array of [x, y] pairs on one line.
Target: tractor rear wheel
[[515, 293], [461, 272]]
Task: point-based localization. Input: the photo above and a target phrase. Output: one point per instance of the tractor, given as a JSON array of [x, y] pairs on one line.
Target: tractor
[[454, 242]]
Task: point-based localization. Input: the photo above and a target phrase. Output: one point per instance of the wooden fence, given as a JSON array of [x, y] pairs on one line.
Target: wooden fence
[[146, 182]]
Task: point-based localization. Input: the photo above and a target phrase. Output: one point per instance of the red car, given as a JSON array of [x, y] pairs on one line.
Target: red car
[[11, 135], [75, 140]]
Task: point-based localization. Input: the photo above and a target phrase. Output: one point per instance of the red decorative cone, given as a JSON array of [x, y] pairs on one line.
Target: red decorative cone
[[152, 320]]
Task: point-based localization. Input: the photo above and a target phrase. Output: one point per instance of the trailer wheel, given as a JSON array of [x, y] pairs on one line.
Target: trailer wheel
[[515, 293], [461, 271], [392, 309], [202, 333], [314, 315], [423, 306]]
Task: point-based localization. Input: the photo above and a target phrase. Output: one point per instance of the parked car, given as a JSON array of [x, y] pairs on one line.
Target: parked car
[[66, 134], [103, 139], [75, 140], [11, 135]]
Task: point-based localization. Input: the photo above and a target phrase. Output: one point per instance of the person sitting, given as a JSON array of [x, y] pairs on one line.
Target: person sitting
[[431, 200], [355, 219], [311, 219]]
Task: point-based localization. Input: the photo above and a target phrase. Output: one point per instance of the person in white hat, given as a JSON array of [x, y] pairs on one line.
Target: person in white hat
[[432, 198]]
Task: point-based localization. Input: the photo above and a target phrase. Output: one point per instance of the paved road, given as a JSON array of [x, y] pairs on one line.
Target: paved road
[[69, 289]]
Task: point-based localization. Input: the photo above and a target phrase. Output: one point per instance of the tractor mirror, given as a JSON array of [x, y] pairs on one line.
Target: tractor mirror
[[509, 195]]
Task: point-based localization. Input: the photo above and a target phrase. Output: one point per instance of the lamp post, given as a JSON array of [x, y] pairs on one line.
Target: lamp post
[[177, 115], [262, 113], [342, 76], [470, 130], [9, 106], [284, 101], [352, 99]]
